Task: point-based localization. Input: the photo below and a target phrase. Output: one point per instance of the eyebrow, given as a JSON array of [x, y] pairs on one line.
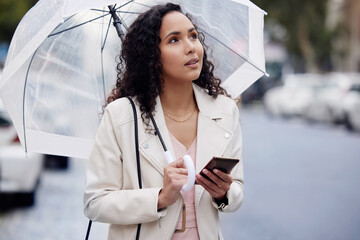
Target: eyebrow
[[178, 33]]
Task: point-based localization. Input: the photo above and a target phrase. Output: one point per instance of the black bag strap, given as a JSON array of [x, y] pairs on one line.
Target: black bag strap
[[136, 142], [158, 133], [137, 156], [137, 163]]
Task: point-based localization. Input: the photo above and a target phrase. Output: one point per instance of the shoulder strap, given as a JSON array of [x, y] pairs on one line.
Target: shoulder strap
[[137, 155], [137, 163], [136, 142]]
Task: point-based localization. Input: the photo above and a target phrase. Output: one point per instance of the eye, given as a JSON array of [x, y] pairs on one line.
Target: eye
[[173, 40], [193, 35]]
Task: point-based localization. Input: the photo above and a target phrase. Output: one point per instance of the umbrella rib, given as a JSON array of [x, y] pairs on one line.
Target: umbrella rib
[[102, 75], [246, 59], [117, 8], [91, 20], [123, 23], [138, 13], [102, 59], [131, 1], [99, 10], [65, 20], [142, 4], [24, 93], [106, 35]]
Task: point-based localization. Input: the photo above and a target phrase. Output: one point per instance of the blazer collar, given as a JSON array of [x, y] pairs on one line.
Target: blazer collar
[[206, 103]]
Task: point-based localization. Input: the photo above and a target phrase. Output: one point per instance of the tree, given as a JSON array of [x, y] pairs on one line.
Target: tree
[[307, 38], [11, 13]]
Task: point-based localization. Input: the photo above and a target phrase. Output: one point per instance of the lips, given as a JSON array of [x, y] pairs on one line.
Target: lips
[[192, 61]]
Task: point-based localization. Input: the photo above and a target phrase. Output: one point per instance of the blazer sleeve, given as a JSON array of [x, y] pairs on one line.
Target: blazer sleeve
[[104, 199], [235, 194]]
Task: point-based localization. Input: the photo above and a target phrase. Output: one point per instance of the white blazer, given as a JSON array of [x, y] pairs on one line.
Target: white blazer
[[112, 194]]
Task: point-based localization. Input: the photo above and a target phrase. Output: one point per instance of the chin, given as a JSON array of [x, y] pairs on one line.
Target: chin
[[194, 76]]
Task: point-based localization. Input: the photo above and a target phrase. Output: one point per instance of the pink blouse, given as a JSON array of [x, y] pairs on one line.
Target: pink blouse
[[191, 231]]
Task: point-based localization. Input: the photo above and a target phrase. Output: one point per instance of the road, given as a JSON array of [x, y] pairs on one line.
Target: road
[[301, 182]]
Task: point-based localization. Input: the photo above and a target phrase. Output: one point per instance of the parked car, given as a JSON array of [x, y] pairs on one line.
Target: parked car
[[328, 105], [294, 97], [19, 174], [351, 108], [257, 90], [318, 110]]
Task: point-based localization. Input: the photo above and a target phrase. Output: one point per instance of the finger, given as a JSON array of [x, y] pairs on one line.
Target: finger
[[182, 171], [180, 181], [213, 177], [178, 184], [209, 186], [207, 183], [182, 163], [177, 176], [177, 163], [223, 176], [176, 181]]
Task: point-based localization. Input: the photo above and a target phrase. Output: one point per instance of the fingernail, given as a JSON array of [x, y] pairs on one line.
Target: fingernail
[[205, 171], [216, 171]]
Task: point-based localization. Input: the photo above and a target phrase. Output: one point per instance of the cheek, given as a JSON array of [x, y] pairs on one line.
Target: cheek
[[168, 58], [169, 62], [199, 49], [200, 52]]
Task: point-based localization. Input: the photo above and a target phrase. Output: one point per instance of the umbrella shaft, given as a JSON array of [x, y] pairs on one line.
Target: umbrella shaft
[[117, 22]]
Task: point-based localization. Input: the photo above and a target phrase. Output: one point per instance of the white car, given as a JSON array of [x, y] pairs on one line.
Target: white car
[[294, 97], [19, 174], [351, 108], [328, 105]]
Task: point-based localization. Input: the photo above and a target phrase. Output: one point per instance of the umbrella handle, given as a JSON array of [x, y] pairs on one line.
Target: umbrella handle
[[190, 167]]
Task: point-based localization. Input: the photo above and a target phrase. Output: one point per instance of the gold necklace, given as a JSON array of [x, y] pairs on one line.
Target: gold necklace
[[180, 121], [191, 109]]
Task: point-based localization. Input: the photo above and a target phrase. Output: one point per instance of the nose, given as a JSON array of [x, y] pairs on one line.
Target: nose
[[189, 46]]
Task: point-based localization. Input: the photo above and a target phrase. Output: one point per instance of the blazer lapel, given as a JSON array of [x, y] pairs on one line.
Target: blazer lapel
[[212, 138], [149, 143]]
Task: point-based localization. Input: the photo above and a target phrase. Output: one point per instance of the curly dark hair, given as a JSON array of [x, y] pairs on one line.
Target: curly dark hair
[[140, 69]]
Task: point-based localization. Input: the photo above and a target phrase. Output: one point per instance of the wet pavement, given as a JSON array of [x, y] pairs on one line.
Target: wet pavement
[[301, 181], [58, 213]]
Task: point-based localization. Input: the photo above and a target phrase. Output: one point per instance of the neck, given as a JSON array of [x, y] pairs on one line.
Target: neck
[[177, 98]]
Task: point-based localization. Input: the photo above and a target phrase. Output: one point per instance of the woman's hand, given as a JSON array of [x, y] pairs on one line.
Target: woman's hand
[[219, 185], [175, 176]]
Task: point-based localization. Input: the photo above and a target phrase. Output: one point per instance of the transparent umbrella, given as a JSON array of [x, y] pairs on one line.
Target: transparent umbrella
[[61, 63]]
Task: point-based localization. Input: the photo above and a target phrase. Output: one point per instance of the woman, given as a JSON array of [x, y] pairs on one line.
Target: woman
[[165, 70]]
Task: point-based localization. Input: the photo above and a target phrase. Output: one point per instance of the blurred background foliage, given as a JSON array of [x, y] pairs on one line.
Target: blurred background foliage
[[11, 12], [306, 35], [319, 35]]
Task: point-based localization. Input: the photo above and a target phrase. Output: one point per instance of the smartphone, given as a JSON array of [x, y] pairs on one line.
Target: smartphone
[[223, 164]]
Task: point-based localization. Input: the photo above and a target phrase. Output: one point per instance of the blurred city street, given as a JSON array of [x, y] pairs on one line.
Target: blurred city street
[[58, 211], [301, 182]]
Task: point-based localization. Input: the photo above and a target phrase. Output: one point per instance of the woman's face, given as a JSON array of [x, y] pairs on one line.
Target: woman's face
[[181, 51]]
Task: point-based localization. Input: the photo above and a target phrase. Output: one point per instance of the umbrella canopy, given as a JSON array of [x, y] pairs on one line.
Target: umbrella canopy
[[61, 64]]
